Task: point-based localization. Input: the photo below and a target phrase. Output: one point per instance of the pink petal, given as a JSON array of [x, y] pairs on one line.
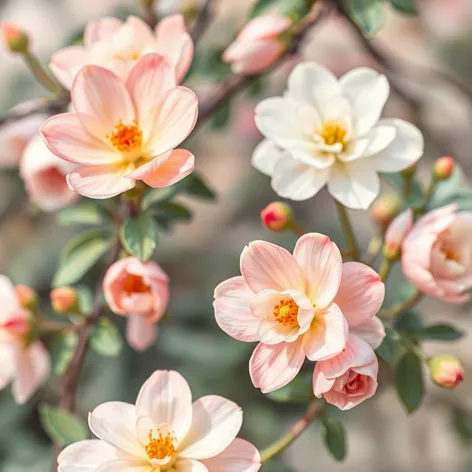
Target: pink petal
[[265, 26], [125, 465], [103, 181], [265, 265], [166, 398], [8, 297], [327, 335], [66, 137], [215, 423], [398, 229], [232, 313], [134, 36], [66, 63], [140, 333], [7, 364], [239, 456], [273, 367], [85, 456], [102, 29], [360, 294], [372, 332], [190, 465], [165, 170], [321, 384], [99, 93], [321, 263]]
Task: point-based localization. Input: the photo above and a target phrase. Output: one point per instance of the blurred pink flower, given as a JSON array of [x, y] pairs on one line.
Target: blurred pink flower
[[121, 132], [295, 306], [141, 292], [164, 431], [258, 45], [437, 254], [23, 362], [45, 176], [397, 232], [117, 46]]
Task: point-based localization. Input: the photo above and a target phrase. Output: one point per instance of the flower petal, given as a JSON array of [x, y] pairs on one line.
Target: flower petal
[[266, 265], [103, 181], [232, 313], [239, 456], [273, 367], [190, 465], [66, 63], [123, 465], [360, 294], [166, 398], [102, 29], [376, 139], [215, 423], [85, 456], [372, 332], [266, 156], [140, 333], [7, 295], [7, 365]]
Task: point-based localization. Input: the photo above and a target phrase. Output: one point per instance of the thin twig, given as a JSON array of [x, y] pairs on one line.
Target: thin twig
[[348, 231], [203, 19], [149, 11], [395, 310]]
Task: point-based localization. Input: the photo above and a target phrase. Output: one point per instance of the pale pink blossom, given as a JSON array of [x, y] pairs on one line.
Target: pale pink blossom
[[45, 176], [164, 431], [397, 232], [25, 363], [121, 132], [437, 254], [117, 46], [141, 292], [296, 306], [258, 45]]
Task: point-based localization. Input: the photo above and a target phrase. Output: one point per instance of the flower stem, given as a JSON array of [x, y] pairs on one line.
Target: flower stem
[[314, 409], [385, 269], [396, 309], [348, 231], [42, 76], [297, 229]]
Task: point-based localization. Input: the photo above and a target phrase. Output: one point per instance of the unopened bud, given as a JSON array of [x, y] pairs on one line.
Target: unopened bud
[[444, 167], [446, 371], [15, 39], [27, 297], [64, 300], [277, 216], [396, 233], [385, 208]]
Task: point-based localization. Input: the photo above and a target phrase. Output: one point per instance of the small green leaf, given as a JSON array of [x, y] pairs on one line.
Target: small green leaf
[[80, 254], [299, 390], [196, 186], [83, 214], [405, 6], [446, 191], [157, 195], [397, 182], [368, 14], [62, 350], [85, 297], [334, 437], [105, 338], [171, 211], [388, 349], [441, 332], [62, 427], [409, 323], [138, 236], [409, 381], [259, 7]]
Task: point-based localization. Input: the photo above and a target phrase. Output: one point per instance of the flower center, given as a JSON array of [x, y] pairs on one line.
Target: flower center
[[160, 447], [134, 284], [286, 312], [126, 137], [333, 132], [127, 56]]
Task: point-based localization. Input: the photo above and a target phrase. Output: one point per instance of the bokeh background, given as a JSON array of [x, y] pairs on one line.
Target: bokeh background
[[198, 255]]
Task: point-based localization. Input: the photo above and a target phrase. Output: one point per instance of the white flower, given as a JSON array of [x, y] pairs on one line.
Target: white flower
[[328, 131]]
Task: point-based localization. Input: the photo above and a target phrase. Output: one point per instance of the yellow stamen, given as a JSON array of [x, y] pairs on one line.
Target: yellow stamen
[[125, 138], [160, 447], [286, 312], [333, 132]]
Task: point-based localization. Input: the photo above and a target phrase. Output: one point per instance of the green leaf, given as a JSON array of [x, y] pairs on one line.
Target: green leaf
[[157, 195], [409, 381], [441, 332], [171, 211], [62, 427], [368, 14], [334, 437], [221, 117], [139, 237], [62, 350], [405, 6], [388, 349], [409, 323], [85, 213], [396, 181], [259, 6], [448, 190], [80, 254], [299, 390], [85, 297], [105, 338], [196, 186]]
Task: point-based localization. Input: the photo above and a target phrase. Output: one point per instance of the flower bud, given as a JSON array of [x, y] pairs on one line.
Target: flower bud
[[396, 234], [446, 371], [27, 297], [385, 208], [444, 167], [64, 300], [15, 39], [277, 216]]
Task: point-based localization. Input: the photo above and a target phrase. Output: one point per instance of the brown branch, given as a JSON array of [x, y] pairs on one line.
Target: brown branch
[[149, 8], [203, 19]]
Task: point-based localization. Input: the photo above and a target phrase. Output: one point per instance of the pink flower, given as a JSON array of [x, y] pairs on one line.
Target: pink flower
[[122, 132], [141, 292], [397, 232], [295, 306], [164, 431], [24, 363], [45, 176], [258, 45], [437, 254], [117, 46]]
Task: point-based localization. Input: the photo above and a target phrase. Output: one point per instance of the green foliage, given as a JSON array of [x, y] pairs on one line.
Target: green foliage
[[62, 350], [221, 117], [368, 14], [405, 6], [409, 323], [86, 213], [387, 351], [397, 182], [334, 438], [139, 237], [105, 338], [409, 381], [441, 332], [80, 254], [259, 7], [462, 423], [62, 427], [293, 8], [299, 390]]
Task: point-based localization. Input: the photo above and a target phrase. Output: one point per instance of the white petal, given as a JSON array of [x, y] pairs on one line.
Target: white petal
[[239, 456], [374, 141], [265, 156], [190, 465], [123, 465], [85, 456]]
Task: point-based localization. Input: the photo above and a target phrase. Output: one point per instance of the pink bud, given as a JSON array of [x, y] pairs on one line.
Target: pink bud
[[27, 297], [15, 39], [277, 216], [384, 209], [396, 234], [446, 371], [64, 300], [444, 167]]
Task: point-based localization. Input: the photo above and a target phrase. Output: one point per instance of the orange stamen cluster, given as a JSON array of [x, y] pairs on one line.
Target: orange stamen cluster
[[333, 133], [286, 312], [134, 284], [125, 138], [160, 447]]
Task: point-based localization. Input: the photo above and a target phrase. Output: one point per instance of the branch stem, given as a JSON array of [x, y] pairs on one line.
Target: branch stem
[[348, 231]]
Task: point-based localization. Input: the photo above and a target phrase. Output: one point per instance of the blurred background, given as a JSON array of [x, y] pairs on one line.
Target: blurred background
[[199, 255]]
